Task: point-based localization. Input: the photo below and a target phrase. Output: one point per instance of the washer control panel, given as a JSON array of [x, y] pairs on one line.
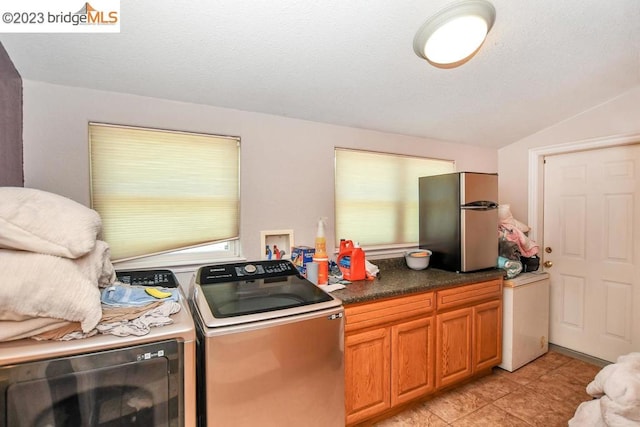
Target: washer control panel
[[245, 271]]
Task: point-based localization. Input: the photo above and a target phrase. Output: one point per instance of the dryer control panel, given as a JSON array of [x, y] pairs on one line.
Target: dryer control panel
[[163, 278]]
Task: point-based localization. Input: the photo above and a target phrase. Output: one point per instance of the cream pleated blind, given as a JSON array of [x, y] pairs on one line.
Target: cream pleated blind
[[158, 191], [377, 196]]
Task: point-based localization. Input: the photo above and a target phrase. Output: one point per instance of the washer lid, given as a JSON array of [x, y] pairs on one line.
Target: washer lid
[[224, 304]]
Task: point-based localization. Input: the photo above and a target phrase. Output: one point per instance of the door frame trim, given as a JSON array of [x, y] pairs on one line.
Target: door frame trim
[[536, 173]]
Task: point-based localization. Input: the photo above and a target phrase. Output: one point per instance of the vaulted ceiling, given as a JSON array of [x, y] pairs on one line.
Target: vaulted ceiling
[[351, 62]]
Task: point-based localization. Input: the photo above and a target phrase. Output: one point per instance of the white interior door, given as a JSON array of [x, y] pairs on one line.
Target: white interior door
[[592, 237]]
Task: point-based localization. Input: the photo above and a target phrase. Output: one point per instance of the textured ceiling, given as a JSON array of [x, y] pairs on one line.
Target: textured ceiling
[[351, 62]]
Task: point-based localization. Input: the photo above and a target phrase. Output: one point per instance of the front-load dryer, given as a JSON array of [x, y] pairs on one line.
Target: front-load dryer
[[102, 380]]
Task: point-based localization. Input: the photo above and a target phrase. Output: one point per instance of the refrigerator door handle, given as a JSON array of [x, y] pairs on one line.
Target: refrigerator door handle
[[482, 205]]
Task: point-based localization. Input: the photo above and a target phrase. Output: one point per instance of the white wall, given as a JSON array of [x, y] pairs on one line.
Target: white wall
[[286, 164], [619, 116]]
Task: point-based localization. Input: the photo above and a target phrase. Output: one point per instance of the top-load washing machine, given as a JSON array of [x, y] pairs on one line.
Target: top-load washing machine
[[270, 347]]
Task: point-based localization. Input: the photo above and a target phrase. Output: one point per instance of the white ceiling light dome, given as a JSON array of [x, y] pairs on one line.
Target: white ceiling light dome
[[452, 36]]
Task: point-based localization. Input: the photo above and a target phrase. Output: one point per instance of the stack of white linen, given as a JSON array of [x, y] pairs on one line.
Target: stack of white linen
[[51, 263], [616, 392]]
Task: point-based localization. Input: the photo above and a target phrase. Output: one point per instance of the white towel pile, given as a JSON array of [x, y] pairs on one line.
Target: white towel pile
[[616, 392], [51, 262]]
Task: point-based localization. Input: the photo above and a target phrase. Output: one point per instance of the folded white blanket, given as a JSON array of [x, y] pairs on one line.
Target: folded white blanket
[[39, 285], [42, 222], [28, 327], [96, 265]]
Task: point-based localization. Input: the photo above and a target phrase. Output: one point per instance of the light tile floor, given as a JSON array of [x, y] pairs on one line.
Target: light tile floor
[[546, 392]]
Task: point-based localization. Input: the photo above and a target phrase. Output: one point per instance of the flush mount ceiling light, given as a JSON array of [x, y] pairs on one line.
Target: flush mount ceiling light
[[452, 36]]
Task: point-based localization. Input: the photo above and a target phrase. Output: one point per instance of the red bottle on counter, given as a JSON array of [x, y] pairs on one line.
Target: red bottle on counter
[[351, 261]]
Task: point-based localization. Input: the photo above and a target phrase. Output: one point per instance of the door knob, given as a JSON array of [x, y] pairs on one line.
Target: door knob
[[548, 264]]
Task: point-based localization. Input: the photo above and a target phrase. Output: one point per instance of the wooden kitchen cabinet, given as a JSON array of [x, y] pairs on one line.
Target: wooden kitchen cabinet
[[412, 353], [389, 350], [487, 325], [453, 360], [402, 349], [367, 364], [469, 331]]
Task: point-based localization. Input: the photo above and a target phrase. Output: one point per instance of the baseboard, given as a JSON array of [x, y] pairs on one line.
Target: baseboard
[[578, 355]]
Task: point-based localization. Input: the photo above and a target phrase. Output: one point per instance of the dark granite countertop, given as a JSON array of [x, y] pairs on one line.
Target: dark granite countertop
[[395, 279]]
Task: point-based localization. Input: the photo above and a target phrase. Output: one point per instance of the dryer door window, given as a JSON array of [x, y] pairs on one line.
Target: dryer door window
[[133, 395], [135, 386]]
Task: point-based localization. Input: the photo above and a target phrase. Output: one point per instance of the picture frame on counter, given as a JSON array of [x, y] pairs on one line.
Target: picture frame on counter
[[276, 244]]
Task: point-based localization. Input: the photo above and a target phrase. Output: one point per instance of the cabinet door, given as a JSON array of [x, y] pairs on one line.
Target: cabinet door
[[367, 369], [487, 327], [412, 352], [453, 346]]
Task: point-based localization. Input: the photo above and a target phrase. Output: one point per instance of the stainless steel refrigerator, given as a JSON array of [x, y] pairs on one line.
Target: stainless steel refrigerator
[[459, 220]]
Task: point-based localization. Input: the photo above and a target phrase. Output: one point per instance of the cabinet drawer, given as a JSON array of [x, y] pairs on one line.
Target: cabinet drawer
[[468, 294], [376, 313]]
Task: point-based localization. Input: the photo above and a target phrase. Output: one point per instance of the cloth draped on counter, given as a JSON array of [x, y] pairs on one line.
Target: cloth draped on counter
[[526, 246], [120, 295], [516, 251], [514, 231], [119, 321]]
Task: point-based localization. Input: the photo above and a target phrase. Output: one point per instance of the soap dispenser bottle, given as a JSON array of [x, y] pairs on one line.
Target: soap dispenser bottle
[[320, 256]]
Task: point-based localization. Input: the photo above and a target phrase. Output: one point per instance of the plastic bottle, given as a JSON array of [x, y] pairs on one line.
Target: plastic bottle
[[358, 268], [320, 256], [351, 261], [321, 240]]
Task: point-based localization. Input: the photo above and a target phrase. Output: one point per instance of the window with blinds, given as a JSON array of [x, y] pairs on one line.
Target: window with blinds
[[377, 196], [160, 191]]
